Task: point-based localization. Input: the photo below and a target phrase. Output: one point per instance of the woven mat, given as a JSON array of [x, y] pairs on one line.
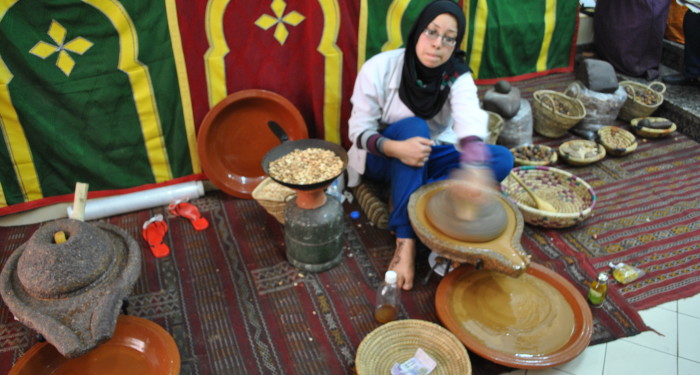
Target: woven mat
[[235, 305]]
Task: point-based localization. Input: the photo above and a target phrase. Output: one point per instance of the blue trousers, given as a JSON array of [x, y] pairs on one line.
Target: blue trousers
[[404, 179]]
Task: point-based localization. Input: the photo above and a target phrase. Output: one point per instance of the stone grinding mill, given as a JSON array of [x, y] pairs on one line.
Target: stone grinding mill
[[313, 220], [490, 241], [501, 305]]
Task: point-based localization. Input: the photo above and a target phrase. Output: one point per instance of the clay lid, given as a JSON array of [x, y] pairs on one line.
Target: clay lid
[[50, 270], [72, 292]]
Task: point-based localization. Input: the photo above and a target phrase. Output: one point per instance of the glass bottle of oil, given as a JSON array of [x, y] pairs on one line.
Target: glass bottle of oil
[[598, 290], [388, 297]]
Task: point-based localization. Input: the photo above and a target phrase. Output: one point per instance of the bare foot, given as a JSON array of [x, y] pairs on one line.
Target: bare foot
[[404, 262]]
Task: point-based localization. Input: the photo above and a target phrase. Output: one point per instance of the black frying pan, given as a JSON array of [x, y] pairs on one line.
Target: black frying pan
[[288, 146]]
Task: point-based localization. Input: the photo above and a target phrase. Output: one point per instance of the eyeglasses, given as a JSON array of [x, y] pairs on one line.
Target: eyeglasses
[[446, 40]]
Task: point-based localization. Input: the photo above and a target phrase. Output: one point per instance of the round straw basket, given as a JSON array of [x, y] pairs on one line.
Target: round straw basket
[[534, 155], [617, 141], [570, 152], [636, 105], [647, 132], [397, 341], [273, 197], [572, 197], [555, 122]]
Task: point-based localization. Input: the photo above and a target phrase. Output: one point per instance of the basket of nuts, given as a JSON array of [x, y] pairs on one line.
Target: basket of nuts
[[554, 113], [652, 127], [273, 197], [534, 155], [617, 141], [581, 152], [642, 100]]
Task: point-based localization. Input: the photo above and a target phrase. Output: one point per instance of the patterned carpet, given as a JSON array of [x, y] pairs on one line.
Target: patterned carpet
[[234, 305]]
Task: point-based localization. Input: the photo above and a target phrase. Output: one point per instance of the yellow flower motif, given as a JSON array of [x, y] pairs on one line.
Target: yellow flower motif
[[266, 21], [58, 33]]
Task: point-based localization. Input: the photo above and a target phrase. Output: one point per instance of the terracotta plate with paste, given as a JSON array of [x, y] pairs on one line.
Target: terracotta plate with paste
[[535, 321], [138, 346], [234, 137]]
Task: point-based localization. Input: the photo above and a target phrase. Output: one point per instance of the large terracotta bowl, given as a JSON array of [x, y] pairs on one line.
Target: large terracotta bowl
[[138, 346], [234, 137], [578, 328]]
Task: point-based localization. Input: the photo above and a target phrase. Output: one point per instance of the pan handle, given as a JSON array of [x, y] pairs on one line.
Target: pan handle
[[278, 131]]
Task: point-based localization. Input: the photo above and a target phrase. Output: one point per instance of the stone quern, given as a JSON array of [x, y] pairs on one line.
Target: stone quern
[[71, 292]]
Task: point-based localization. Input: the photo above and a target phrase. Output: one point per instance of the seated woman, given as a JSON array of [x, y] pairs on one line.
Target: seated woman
[[416, 119]]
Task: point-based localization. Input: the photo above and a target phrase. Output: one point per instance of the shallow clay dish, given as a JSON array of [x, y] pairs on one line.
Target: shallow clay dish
[[138, 346], [498, 308], [234, 137]]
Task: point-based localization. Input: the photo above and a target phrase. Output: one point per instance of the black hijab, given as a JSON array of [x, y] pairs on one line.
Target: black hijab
[[424, 90]]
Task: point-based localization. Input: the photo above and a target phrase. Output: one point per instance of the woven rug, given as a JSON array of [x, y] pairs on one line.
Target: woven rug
[[234, 305]]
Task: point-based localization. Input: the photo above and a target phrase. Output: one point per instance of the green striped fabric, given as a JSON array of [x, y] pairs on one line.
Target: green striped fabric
[[89, 93], [505, 39]]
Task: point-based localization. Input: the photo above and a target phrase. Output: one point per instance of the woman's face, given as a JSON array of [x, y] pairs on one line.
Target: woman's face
[[433, 52]]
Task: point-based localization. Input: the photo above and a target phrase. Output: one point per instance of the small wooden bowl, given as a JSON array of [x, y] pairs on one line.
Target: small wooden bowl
[[617, 141], [534, 155], [581, 152], [647, 132]]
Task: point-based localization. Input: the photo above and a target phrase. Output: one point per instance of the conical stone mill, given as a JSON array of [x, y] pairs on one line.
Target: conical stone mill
[[313, 221], [489, 240]]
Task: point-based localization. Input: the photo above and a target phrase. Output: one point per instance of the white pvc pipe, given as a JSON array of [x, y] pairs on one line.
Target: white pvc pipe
[[119, 204]]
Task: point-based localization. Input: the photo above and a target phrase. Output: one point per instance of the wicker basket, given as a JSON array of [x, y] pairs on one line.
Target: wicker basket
[[273, 197], [634, 107], [550, 122], [573, 197], [496, 124], [651, 132], [397, 341], [617, 141], [570, 152], [534, 155]]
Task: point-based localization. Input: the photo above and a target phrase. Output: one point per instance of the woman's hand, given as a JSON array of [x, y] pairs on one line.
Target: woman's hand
[[413, 151]]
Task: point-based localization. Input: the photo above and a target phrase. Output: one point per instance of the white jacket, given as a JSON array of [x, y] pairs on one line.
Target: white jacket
[[376, 104]]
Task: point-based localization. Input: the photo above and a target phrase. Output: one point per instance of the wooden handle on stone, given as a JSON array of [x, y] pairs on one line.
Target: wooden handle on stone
[[79, 201]]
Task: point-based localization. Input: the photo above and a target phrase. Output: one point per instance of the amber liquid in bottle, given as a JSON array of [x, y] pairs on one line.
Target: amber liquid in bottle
[[387, 304], [385, 313], [598, 290]]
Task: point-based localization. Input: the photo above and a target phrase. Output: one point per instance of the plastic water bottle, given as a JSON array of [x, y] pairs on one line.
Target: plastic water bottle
[[388, 297]]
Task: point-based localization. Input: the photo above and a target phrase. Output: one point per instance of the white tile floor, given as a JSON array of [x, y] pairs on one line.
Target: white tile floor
[[676, 352]]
